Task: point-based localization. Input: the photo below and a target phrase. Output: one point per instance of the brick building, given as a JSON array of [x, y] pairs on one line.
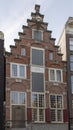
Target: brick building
[[66, 47], [36, 88]]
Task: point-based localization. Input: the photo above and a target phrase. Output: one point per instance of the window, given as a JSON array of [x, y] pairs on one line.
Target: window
[[37, 82], [56, 106], [18, 102], [18, 70], [71, 62], [37, 56], [72, 83], [23, 52], [71, 44], [55, 75], [37, 35], [50, 55], [38, 107]]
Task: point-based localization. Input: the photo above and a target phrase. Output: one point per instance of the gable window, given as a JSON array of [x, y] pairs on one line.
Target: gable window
[[56, 106], [38, 107], [18, 109], [37, 56], [23, 52], [50, 55], [18, 70], [55, 75], [71, 44], [37, 35]]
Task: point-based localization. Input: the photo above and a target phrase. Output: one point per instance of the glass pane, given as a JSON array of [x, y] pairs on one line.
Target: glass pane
[[59, 101], [41, 100], [21, 98], [23, 52], [34, 114], [51, 56], [38, 35], [14, 98], [71, 66], [72, 84], [41, 115], [22, 71], [37, 57], [52, 75], [53, 115], [71, 57], [34, 100], [58, 72], [53, 101], [71, 44], [59, 115], [14, 70]]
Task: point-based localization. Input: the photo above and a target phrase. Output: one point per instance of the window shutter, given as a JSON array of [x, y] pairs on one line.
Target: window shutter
[[65, 115], [47, 115], [29, 114]]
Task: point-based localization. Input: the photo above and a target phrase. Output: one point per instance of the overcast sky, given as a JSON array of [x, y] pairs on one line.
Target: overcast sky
[[14, 14]]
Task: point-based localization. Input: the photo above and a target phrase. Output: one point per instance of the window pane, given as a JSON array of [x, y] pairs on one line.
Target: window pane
[[37, 82], [37, 57], [71, 43], [23, 52], [34, 100], [52, 75], [21, 98], [41, 100], [41, 115], [59, 115], [53, 115], [50, 55], [34, 114], [14, 98], [37, 35], [71, 62], [72, 84], [59, 101], [14, 70], [53, 101], [58, 74], [22, 71]]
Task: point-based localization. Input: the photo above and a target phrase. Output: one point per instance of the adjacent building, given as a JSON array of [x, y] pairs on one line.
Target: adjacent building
[[2, 81], [36, 84], [66, 47]]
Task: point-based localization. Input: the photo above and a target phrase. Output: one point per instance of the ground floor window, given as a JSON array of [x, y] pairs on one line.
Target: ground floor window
[[56, 106], [38, 107], [18, 109]]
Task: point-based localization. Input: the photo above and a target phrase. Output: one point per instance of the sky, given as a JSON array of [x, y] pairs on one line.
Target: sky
[[14, 14]]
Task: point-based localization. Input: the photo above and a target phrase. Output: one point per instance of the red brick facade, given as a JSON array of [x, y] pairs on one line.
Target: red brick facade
[[47, 44]]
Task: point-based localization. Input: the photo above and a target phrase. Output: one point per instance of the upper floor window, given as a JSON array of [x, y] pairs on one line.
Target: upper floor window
[[71, 44], [50, 55], [37, 56], [72, 83], [56, 106], [71, 62], [37, 35], [18, 70], [23, 52], [55, 75]]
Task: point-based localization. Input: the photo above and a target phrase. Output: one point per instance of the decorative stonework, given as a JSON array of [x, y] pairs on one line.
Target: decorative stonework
[[1, 35]]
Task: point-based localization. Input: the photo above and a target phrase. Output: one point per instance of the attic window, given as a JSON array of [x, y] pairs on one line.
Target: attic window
[[37, 35]]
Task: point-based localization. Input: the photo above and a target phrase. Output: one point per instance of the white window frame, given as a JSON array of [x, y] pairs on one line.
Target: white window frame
[[43, 108], [18, 75], [36, 48], [39, 31], [56, 95], [55, 69]]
